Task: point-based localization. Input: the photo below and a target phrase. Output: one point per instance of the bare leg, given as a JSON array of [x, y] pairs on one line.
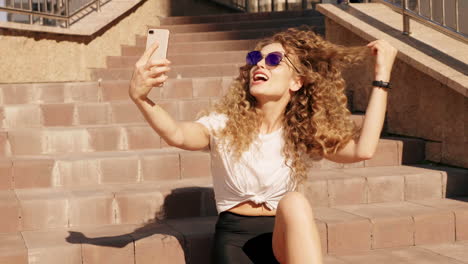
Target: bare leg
[[295, 237]]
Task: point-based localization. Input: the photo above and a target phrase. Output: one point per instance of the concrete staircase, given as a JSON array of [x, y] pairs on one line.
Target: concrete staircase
[[84, 179]]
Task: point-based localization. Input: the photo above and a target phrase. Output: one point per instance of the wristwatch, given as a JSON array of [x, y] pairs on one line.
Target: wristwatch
[[381, 84]]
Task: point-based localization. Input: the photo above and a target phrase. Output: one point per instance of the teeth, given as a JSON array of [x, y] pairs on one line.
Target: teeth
[[260, 76]]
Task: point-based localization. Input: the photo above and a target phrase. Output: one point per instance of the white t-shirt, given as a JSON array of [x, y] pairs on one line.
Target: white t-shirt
[[260, 175]]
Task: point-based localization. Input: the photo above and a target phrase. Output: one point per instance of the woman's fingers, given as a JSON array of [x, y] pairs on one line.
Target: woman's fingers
[[156, 71], [148, 74], [156, 63], [375, 46], [371, 43], [158, 81], [156, 76], [147, 54], [385, 55]]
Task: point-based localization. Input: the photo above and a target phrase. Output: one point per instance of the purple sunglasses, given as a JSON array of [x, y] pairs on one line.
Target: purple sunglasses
[[272, 59]]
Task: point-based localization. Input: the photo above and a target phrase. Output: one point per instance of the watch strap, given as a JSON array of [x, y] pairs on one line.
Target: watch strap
[[381, 84]]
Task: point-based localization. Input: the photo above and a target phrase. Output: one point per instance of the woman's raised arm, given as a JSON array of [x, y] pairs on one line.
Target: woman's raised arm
[[147, 74]]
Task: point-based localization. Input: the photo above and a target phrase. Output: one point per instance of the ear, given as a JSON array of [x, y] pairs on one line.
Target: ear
[[296, 83]]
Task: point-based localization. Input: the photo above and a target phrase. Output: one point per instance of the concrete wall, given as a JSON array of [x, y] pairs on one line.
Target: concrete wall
[[37, 57], [46, 57], [418, 105]]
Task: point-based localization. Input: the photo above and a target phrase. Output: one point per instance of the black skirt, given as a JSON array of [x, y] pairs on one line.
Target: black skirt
[[242, 239]]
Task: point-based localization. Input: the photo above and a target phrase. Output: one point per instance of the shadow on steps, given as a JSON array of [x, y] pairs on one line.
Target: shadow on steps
[[186, 219]]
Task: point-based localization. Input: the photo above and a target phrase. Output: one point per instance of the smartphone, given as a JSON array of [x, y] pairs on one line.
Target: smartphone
[[162, 37]]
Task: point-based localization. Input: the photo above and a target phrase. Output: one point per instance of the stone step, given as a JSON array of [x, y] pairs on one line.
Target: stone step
[[357, 228], [139, 135], [49, 93], [112, 204], [317, 20], [177, 20], [219, 57], [103, 168], [182, 98], [457, 178], [447, 253], [101, 113], [195, 47], [65, 169], [407, 232], [108, 90], [171, 193], [228, 35], [350, 185], [119, 244], [179, 72], [123, 135]]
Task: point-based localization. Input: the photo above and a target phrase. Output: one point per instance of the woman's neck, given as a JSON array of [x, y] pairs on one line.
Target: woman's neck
[[272, 117]]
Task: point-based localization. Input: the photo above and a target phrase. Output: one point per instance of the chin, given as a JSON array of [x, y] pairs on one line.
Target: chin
[[263, 93], [256, 91]]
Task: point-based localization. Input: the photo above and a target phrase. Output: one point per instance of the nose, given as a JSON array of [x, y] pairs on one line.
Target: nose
[[262, 63]]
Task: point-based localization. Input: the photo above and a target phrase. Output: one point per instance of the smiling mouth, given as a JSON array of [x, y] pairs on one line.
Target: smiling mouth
[[259, 78]]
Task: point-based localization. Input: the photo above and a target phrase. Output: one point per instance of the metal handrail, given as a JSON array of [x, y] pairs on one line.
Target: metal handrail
[[408, 13], [241, 5], [246, 6], [56, 14]]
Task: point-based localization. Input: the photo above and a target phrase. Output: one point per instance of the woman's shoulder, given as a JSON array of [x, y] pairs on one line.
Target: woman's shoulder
[[213, 120], [214, 117]]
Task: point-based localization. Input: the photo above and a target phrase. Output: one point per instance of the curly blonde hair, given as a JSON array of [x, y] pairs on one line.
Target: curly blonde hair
[[316, 120]]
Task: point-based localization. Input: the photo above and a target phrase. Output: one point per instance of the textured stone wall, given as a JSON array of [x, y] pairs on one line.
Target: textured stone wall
[[418, 105], [45, 57], [35, 57]]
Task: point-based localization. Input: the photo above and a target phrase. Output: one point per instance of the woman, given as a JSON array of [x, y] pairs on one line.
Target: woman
[[286, 105]]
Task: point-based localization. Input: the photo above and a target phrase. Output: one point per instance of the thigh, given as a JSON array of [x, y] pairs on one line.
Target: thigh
[[278, 240]]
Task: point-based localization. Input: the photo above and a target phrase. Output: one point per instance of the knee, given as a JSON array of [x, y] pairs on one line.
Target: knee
[[294, 203]]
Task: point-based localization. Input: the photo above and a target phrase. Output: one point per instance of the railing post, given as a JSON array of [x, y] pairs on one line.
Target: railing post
[[247, 6], [286, 5], [457, 17], [443, 13], [272, 5], [67, 13], [30, 15], [304, 4], [430, 10], [406, 22]]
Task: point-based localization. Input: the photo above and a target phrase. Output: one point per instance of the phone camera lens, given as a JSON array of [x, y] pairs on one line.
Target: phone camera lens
[[151, 31]]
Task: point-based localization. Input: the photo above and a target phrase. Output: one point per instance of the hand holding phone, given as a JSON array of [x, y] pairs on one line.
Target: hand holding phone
[[150, 70], [161, 36]]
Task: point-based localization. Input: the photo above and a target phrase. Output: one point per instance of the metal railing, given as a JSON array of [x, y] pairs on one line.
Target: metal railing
[[268, 5], [48, 11], [442, 15]]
